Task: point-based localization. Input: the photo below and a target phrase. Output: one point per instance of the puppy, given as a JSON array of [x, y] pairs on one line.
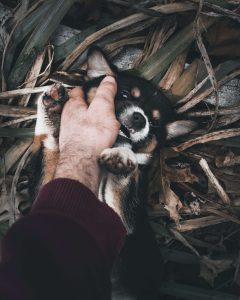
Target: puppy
[[147, 122]]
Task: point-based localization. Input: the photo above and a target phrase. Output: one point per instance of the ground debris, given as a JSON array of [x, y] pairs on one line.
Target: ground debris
[[190, 49]]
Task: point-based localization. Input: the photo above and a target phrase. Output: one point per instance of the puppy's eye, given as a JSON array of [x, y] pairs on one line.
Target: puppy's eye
[[125, 95]]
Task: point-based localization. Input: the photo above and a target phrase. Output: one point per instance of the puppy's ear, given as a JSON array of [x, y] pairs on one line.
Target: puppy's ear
[[178, 128], [97, 64]]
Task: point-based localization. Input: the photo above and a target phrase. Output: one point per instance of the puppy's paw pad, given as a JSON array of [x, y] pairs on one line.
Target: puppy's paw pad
[[118, 160], [55, 99]]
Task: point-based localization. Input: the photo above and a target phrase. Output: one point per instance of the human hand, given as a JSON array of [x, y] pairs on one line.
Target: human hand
[[85, 132]]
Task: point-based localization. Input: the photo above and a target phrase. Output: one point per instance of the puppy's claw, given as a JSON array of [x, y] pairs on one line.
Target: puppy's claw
[[118, 160]]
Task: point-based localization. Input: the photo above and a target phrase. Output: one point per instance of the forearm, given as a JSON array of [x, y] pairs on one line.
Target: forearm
[[80, 165]]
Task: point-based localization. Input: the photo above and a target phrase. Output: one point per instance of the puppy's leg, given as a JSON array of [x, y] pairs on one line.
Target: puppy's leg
[[47, 129], [119, 183]]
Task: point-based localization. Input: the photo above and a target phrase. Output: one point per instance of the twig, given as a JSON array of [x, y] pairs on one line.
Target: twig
[[222, 112], [224, 215], [214, 182], [205, 93], [198, 223], [16, 111], [192, 92], [20, 92], [127, 41], [207, 62], [221, 10], [213, 136], [19, 120], [147, 11], [182, 239]]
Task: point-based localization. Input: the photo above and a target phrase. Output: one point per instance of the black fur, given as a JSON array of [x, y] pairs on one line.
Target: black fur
[[139, 268]]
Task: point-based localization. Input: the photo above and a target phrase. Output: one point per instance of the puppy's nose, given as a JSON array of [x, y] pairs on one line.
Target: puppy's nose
[[138, 120]]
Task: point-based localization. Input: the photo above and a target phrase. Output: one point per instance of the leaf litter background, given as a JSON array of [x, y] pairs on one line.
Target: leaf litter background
[[191, 50]]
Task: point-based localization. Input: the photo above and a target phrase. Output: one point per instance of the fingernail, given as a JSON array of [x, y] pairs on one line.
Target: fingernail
[[109, 79]]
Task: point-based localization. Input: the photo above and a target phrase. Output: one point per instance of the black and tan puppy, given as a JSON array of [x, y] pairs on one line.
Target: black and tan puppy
[[147, 122]]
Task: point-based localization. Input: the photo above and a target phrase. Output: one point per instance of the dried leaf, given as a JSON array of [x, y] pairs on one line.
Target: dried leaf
[[181, 175], [171, 202], [213, 136], [174, 71], [214, 182], [186, 82], [209, 269], [229, 159]]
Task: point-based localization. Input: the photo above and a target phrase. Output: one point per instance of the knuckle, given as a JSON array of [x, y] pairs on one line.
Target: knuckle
[[76, 92]]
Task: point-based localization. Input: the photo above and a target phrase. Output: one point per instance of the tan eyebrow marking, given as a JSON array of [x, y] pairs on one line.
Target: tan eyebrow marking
[[135, 92], [156, 114]]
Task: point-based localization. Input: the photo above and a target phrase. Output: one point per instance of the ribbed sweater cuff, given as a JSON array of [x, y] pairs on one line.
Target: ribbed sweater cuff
[[66, 196]]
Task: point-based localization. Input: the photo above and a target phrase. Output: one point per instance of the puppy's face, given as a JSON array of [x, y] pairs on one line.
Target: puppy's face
[[140, 108]]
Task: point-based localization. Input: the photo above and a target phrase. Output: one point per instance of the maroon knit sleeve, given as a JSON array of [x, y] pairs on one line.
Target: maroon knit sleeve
[[71, 198], [67, 244]]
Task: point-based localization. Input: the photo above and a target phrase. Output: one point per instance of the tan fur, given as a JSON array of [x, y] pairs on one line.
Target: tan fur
[[135, 92], [37, 142], [156, 114], [91, 94], [50, 163], [149, 147], [117, 196]]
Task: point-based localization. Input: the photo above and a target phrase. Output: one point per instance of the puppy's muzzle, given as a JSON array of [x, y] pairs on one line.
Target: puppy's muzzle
[[134, 119], [135, 122]]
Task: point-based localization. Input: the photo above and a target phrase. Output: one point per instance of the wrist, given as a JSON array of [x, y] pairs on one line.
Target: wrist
[[81, 165]]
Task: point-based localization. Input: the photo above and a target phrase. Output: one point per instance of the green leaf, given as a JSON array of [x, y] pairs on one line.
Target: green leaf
[[156, 65], [13, 154], [17, 132], [23, 28], [37, 40]]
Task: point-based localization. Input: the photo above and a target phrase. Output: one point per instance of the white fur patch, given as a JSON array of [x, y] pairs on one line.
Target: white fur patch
[[42, 127], [143, 158], [136, 136]]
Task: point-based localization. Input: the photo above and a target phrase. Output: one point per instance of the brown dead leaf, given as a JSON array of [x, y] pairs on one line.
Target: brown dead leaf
[[186, 82], [171, 201], [223, 39], [181, 175], [227, 160], [209, 268]]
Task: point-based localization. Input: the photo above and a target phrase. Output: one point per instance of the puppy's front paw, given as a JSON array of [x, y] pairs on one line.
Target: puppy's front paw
[[55, 99], [118, 160]]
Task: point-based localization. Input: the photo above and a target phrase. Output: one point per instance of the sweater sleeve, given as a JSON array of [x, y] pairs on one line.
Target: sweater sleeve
[[66, 244]]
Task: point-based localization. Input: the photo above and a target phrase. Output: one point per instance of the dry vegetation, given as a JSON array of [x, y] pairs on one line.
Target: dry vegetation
[[191, 49]]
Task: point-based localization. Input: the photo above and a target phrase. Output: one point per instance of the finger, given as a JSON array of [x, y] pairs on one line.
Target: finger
[[75, 106], [105, 94], [77, 95]]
